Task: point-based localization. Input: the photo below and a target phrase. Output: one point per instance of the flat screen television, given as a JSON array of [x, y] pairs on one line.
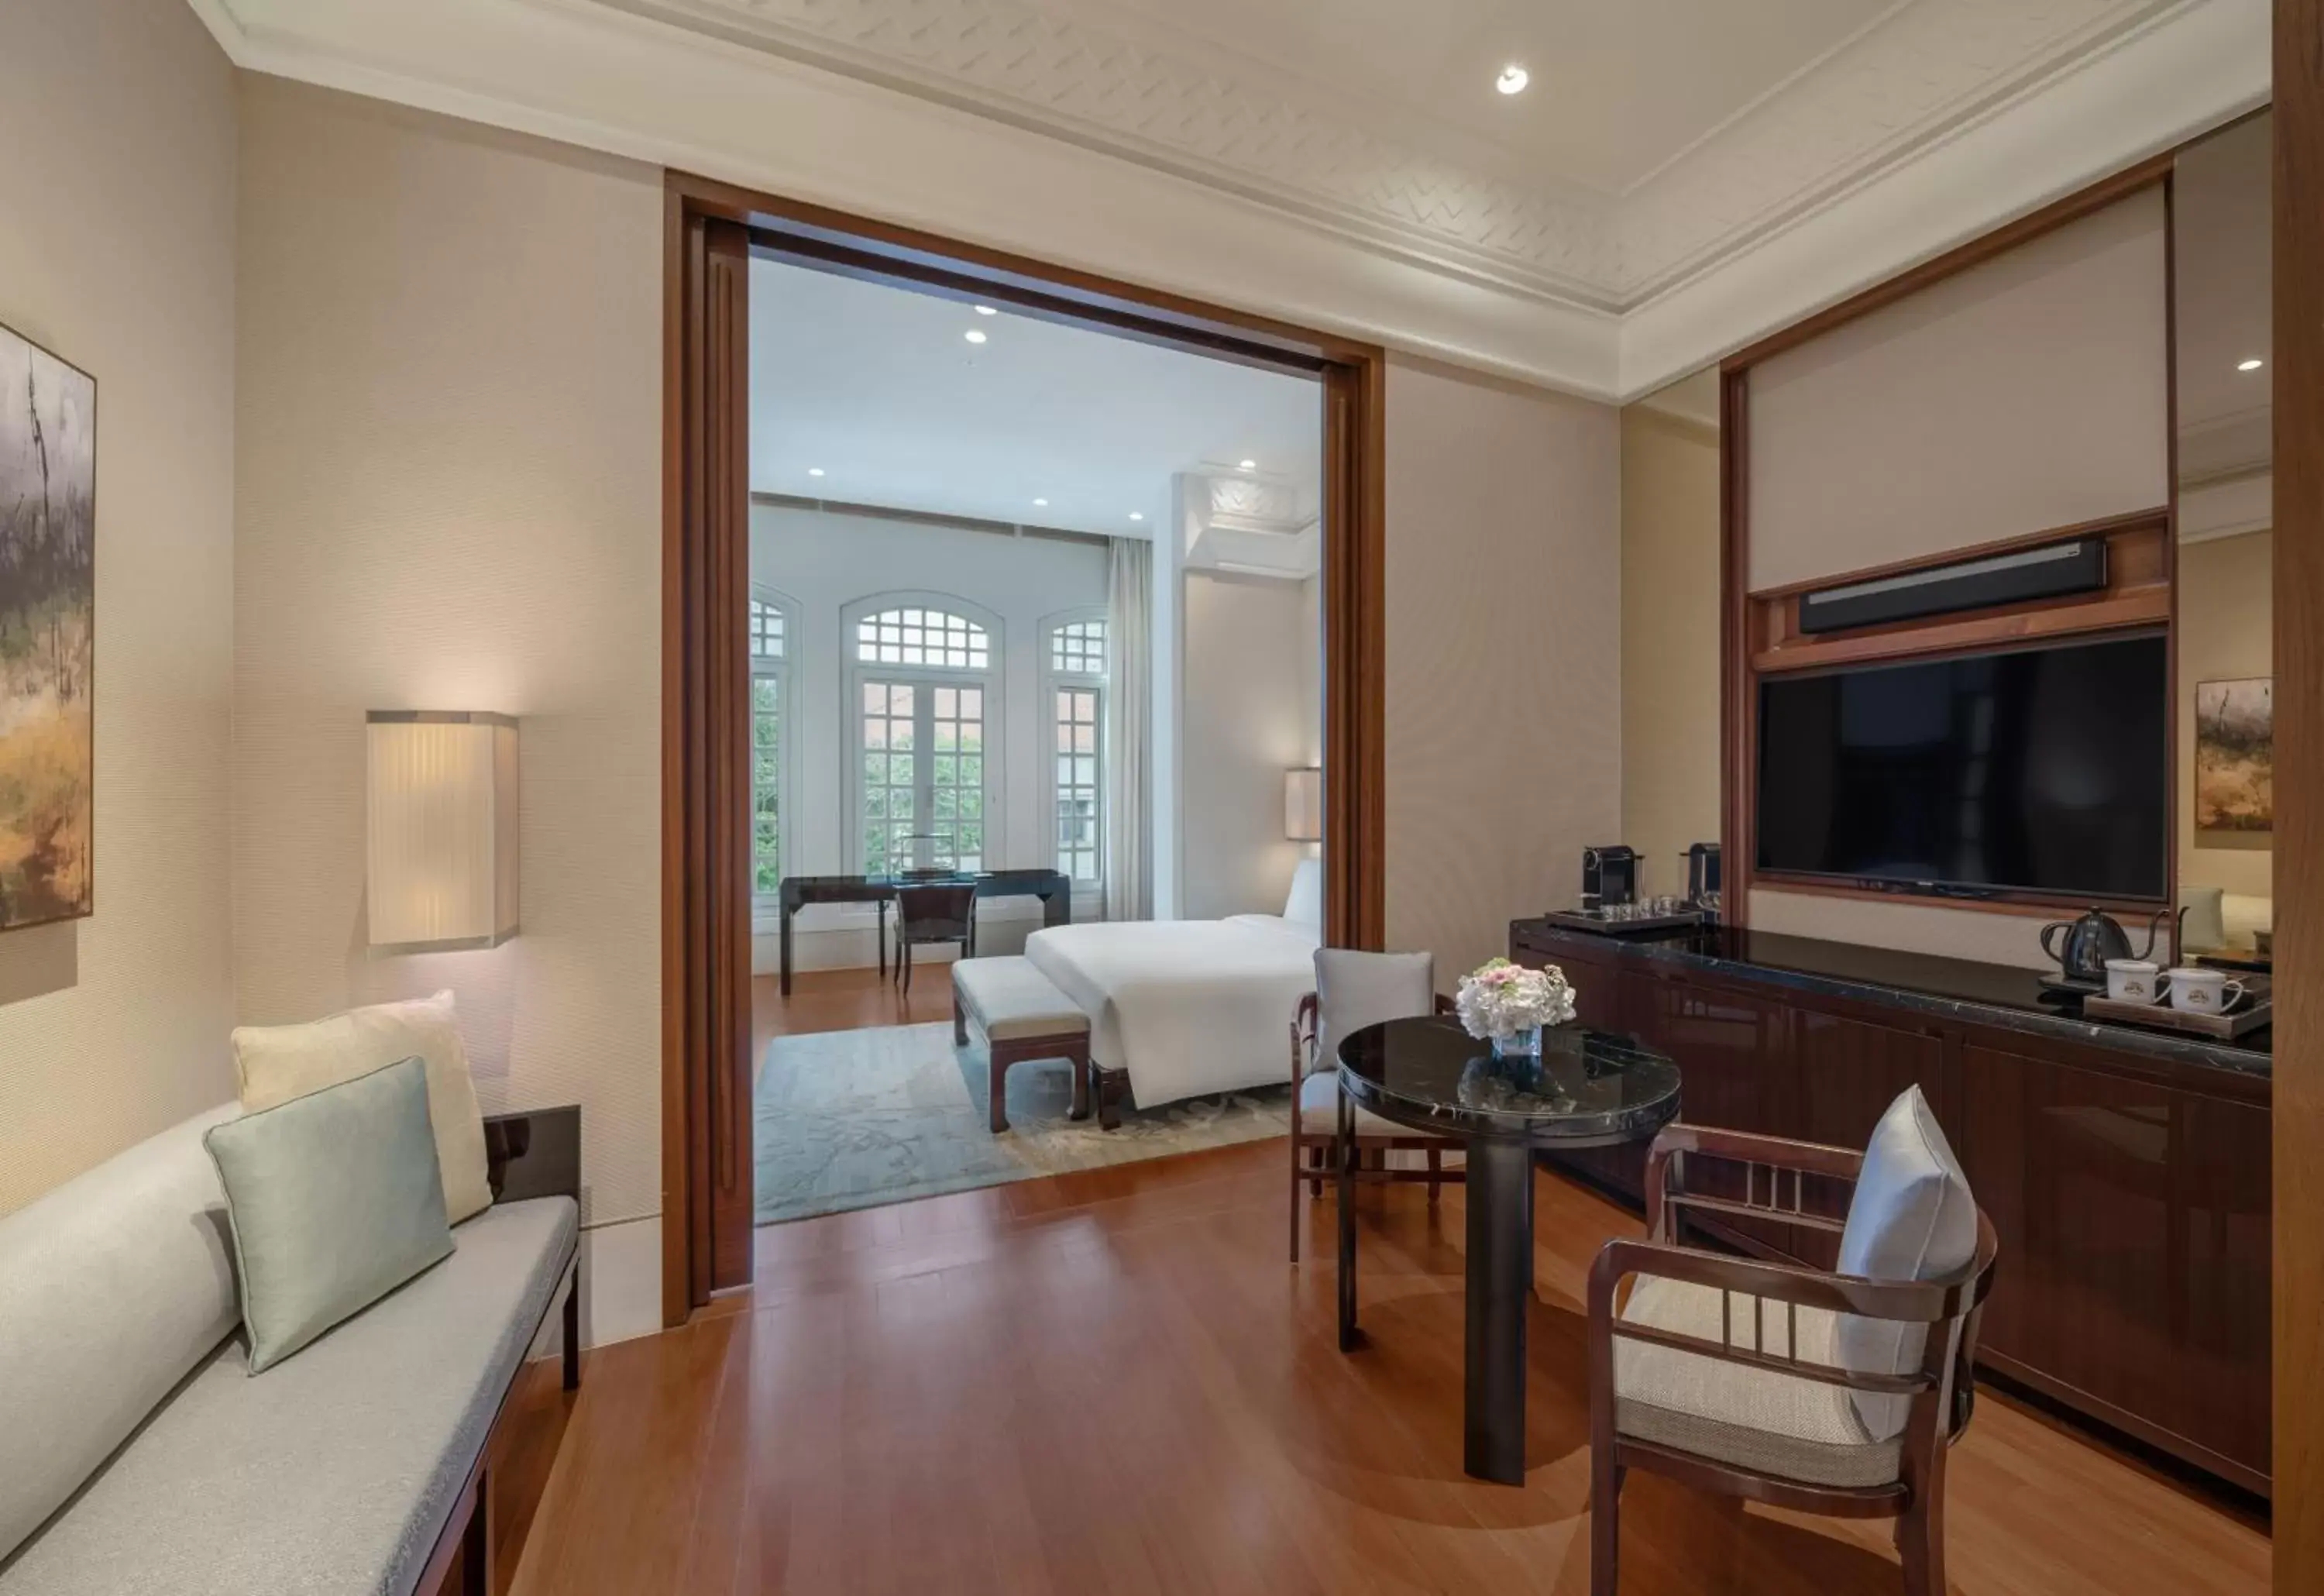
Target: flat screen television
[[2036, 769]]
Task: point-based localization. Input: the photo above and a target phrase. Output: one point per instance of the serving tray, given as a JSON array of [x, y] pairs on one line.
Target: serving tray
[[2256, 1009]]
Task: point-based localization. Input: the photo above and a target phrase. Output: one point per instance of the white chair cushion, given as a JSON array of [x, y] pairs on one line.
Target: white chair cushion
[[1011, 1001], [1912, 1219], [1354, 989], [1753, 1419], [1319, 1108]]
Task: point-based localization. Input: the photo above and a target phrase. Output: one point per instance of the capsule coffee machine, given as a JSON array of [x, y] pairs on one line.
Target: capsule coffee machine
[[1610, 877]]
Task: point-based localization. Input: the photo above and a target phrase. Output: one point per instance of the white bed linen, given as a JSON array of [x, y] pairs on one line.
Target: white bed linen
[[1188, 1007]]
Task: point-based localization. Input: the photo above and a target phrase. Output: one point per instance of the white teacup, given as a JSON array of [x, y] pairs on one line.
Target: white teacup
[[2133, 981], [2204, 991]]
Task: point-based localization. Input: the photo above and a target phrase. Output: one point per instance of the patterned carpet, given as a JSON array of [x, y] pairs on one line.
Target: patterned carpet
[[857, 1118]]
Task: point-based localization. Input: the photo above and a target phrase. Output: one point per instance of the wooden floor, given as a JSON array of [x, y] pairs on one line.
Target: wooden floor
[[1112, 1382], [845, 999]]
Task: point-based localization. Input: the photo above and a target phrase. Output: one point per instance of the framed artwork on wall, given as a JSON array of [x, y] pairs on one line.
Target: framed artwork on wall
[[48, 616], [2235, 756]]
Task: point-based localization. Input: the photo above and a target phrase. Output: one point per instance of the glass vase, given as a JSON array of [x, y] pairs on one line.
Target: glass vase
[[1523, 1044]]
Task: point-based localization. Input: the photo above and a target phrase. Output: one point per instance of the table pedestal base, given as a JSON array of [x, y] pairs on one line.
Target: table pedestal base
[[1500, 1288]]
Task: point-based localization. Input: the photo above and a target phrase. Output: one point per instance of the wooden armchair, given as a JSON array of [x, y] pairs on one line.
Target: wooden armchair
[[1314, 1099], [1724, 1373]]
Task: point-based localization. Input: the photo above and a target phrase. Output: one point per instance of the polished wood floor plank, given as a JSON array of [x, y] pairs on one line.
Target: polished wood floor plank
[[1110, 1384]]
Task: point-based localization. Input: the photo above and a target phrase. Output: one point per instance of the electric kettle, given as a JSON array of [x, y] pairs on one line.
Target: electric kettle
[[2089, 942]]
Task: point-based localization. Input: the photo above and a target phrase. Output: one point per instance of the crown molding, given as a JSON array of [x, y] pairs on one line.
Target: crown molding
[[1139, 156]]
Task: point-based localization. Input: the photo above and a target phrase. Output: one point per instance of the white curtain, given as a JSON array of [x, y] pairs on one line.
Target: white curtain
[[1130, 731]]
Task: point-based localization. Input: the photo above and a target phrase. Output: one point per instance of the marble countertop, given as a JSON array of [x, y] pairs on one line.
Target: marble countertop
[[2001, 996]]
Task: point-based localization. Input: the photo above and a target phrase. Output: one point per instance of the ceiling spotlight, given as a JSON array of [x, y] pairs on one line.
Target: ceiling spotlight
[[973, 337], [1249, 465], [815, 471], [1137, 515], [1040, 504], [986, 311], [1513, 79], [2249, 365]]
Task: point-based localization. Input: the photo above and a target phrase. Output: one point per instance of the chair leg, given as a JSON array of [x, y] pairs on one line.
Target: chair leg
[[1295, 1197], [572, 1330], [1920, 1544], [906, 952], [1435, 1172], [1315, 1171], [1605, 1522]]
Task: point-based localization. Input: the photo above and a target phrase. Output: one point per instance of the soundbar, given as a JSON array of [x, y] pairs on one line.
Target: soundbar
[[2050, 571]]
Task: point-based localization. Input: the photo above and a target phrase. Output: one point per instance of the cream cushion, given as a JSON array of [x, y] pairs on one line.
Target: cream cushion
[[1319, 1106], [1753, 1419], [1911, 1218], [1011, 1001], [277, 1063]]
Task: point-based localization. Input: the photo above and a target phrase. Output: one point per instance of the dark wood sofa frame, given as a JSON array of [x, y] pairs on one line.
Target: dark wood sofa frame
[[528, 1155], [1941, 1391]]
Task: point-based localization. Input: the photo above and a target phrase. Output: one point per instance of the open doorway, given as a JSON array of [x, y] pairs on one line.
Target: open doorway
[[723, 924], [1035, 646]]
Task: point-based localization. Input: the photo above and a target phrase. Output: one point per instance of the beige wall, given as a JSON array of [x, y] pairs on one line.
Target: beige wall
[[449, 459], [117, 252], [2226, 630], [1504, 655], [1242, 723], [1670, 641]]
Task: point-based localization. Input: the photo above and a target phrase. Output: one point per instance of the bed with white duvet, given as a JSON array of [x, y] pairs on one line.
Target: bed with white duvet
[[1190, 1007]]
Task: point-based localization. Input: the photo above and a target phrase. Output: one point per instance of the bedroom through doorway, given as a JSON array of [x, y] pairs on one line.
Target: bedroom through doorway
[[1036, 648]]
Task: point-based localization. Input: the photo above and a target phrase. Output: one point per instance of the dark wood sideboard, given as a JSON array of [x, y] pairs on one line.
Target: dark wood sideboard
[[2125, 1172]]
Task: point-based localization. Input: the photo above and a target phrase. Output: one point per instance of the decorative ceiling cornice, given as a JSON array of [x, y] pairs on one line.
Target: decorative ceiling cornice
[[1923, 71]]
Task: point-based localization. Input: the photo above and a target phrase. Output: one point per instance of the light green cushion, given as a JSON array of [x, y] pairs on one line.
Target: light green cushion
[[335, 1200]]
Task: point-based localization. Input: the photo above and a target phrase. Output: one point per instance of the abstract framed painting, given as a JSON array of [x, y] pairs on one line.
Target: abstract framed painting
[[48, 635], [2235, 757]]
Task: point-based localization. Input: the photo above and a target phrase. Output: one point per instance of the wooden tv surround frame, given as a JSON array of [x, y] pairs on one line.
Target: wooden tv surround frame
[[1759, 631]]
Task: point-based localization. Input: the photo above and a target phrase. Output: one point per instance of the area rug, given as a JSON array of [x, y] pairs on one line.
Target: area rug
[[853, 1119]]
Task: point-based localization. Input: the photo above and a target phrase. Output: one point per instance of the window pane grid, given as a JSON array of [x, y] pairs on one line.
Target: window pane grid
[[1079, 727], [768, 637], [922, 637], [923, 777], [1077, 648]]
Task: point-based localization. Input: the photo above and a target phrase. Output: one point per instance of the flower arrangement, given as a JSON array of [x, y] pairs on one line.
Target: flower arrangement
[[1501, 1000]]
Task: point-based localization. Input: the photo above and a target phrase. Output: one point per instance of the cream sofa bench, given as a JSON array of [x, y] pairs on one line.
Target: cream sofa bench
[[141, 1456], [1023, 1016]]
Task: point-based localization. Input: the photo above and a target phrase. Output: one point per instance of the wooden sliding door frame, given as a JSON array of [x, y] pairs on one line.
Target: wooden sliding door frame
[[712, 231]]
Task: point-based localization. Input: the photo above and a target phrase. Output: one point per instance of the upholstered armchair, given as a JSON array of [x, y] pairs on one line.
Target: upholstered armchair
[[1835, 1392], [1354, 989]]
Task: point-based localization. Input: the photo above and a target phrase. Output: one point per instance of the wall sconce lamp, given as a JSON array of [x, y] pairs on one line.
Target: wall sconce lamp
[[1302, 806], [441, 829]]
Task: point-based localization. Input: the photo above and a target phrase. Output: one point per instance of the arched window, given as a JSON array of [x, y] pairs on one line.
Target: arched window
[[771, 638], [925, 707], [1074, 688]]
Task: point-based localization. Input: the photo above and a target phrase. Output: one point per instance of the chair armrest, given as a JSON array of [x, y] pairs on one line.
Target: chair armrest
[[1772, 1153], [1902, 1300], [534, 1153], [1445, 1005]]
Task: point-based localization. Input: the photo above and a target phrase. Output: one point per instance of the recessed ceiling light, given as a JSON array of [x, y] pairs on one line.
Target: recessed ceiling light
[[973, 337], [815, 471], [986, 311], [1513, 79], [1137, 515], [1249, 465], [1040, 504], [2249, 365]]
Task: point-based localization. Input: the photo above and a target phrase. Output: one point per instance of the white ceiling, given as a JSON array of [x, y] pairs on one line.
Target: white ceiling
[[880, 388], [1617, 89]]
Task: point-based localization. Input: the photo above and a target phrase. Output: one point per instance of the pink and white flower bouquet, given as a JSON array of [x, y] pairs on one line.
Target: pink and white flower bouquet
[[1504, 1001]]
